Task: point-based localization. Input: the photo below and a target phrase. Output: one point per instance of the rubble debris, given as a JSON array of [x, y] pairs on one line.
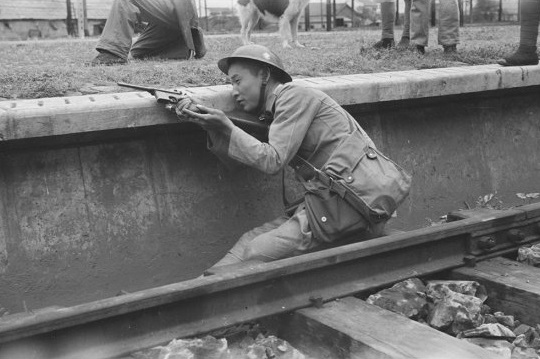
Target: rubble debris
[[492, 330], [498, 346], [506, 320], [272, 347], [407, 298], [520, 353], [465, 287], [529, 255], [209, 347], [199, 348], [453, 311], [458, 308]]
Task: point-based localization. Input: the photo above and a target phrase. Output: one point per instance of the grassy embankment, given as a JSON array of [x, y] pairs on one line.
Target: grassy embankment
[[36, 69]]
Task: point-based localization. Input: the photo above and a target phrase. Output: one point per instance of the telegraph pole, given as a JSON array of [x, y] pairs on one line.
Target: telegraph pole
[[206, 14], [352, 13], [328, 15]]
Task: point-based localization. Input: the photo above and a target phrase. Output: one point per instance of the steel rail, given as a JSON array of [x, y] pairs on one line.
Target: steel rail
[[120, 325]]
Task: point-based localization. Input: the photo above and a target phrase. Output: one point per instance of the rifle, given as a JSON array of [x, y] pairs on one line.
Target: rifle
[[248, 122]]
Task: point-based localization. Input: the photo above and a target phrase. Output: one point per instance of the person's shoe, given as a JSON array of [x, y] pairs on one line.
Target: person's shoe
[[384, 44], [450, 49], [525, 55], [421, 49], [404, 43], [107, 58]]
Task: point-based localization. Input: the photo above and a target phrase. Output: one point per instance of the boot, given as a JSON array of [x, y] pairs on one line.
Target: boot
[[404, 43], [384, 44], [107, 58], [525, 55]]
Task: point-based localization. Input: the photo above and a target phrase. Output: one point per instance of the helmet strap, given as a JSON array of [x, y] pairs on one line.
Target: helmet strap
[[262, 95]]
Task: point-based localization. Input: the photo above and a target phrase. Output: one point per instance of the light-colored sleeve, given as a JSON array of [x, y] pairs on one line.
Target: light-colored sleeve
[[295, 109], [218, 144]]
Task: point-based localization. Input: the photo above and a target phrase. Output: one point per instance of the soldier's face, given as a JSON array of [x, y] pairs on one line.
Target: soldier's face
[[246, 85]]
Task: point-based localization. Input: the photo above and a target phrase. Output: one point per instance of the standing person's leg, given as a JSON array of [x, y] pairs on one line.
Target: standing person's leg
[[420, 23], [388, 18], [405, 41], [528, 36], [115, 41], [448, 25]]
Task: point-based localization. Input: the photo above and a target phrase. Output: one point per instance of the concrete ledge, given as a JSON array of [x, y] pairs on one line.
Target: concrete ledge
[[26, 119]]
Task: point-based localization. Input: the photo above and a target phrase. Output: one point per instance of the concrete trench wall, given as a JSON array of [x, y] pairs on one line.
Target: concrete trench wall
[[105, 193]]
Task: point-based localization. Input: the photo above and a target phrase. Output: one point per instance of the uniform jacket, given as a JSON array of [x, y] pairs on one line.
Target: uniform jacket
[[306, 122]]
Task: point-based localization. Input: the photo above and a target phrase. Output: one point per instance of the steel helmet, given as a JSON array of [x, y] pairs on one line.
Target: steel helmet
[[258, 53]]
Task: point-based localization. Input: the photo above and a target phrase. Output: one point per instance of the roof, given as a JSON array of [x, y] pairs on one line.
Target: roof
[[318, 10], [50, 9]]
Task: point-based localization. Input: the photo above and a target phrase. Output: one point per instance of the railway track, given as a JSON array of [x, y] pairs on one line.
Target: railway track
[[471, 245]]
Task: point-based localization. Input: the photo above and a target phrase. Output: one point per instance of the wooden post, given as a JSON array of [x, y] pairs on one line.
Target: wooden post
[[69, 19], [328, 15], [79, 15], [396, 21], [306, 18], [471, 11], [352, 13], [206, 14], [322, 18], [460, 7], [433, 13], [85, 19], [500, 10], [334, 12]]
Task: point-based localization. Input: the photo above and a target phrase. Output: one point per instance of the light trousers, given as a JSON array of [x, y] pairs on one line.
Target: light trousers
[[282, 238], [416, 21]]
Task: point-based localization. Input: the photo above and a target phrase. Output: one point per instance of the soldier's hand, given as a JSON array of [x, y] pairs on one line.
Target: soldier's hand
[[185, 103], [210, 118]]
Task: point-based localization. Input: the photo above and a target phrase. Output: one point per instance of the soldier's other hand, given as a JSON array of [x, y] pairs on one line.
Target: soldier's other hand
[[210, 118], [185, 103]]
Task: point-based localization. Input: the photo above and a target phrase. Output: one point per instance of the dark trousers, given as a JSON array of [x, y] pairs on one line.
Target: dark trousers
[[161, 38]]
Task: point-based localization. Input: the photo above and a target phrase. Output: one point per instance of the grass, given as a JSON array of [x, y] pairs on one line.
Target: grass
[[36, 69]]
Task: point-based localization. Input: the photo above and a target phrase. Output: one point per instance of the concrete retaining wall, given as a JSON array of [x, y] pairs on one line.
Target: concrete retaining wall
[[105, 193]]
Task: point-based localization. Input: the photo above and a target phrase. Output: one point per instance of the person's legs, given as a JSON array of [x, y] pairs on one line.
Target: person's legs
[[281, 238], [448, 25], [162, 37], [388, 18], [119, 29], [160, 41], [406, 34], [420, 23], [528, 36]]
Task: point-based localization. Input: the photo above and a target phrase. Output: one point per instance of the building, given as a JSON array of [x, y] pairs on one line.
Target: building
[[344, 16], [27, 19]]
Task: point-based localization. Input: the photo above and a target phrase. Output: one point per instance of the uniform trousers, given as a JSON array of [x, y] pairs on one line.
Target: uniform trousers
[[285, 237], [161, 38], [416, 21]]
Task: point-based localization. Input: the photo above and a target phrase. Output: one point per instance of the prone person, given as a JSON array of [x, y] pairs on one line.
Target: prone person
[[172, 32], [306, 123]]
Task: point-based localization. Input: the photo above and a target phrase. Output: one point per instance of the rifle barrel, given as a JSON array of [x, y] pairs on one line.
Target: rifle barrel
[[152, 90]]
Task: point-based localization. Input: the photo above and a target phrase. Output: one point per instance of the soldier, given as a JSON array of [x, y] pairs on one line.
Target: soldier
[[172, 31], [416, 25], [528, 36], [306, 122]]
